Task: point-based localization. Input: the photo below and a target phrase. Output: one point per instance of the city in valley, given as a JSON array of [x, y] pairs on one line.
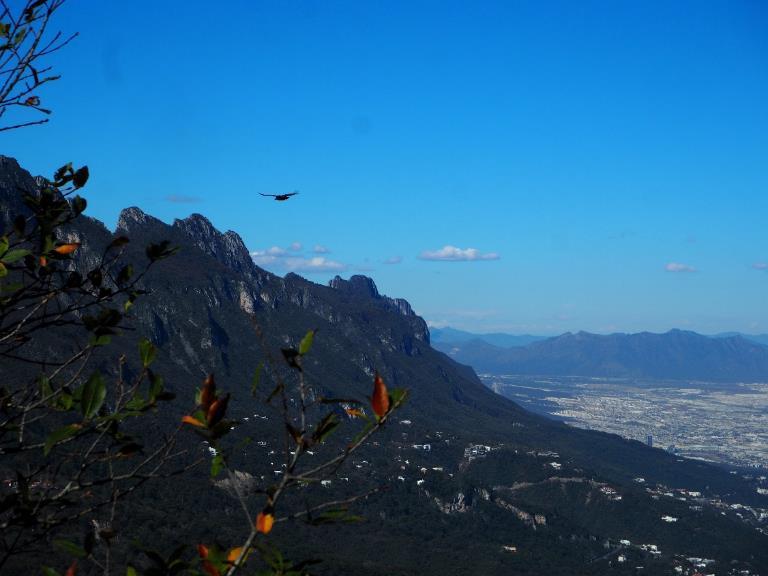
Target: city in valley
[[716, 422]]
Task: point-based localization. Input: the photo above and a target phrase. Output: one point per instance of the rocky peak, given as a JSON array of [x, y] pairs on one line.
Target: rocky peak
[[227, 248], [363, 287], [133, 218], [197, 227], [357, 285]]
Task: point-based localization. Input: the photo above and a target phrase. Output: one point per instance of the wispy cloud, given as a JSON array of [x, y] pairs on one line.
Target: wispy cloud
[[678, 267], [182, 199], [760, 265], [320, 249], [314, 264], [280, 259], [393, 260], [453, 254]]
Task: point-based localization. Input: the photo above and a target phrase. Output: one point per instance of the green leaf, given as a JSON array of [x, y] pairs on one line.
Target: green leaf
[[334, 516], [125, 274], [63, 174], [3, 245], [147, 351], [78, 205], [49, 571], [64, 401], [11, 287], [306, 343], [93, 394], [135, 403], [19, 37], [156, 387], [45, 386], [398, 396], [130, 571], [80, 177], [327, 425], [159, 251], [60, 435], [102, 340], [217, 465], [69, 548], [3, 270], [257, 378], [15, 255]]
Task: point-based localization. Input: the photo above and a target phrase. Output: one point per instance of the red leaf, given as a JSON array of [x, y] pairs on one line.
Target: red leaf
[[67, 248], [264, 522], [380, 399], [193, 421], [208, 393], [217, 410]]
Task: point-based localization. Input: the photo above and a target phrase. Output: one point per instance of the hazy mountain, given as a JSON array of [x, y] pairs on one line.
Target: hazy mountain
[[676, 354], [759, 338], [560, 496], [441, 337]]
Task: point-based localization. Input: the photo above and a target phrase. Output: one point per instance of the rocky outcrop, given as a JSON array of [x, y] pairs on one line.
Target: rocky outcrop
[[14, 182], [228, 248], [363, 287], [133, 219]]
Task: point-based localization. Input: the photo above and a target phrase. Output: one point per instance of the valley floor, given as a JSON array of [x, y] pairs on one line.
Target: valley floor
[[726, 424]]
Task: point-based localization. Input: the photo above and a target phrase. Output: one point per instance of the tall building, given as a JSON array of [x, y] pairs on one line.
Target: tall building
[[649, 440]]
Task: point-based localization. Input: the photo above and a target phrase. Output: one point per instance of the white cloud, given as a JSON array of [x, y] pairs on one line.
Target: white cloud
[[314, 264], [393, 260], [453, 254], [320, 249], [274, 251], [678, 267], [280, 259], [760, 265]]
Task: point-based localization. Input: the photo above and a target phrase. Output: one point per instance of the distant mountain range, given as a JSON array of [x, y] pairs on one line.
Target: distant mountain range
[[676, 354], [759, 338], [453, 336]]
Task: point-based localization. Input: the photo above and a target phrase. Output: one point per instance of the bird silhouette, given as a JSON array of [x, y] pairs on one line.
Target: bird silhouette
[[281, 197]]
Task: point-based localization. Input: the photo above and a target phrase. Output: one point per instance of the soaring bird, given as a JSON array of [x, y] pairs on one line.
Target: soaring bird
[[281, 197]]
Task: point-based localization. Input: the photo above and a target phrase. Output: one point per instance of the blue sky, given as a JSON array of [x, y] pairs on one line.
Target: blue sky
[[517, 166]]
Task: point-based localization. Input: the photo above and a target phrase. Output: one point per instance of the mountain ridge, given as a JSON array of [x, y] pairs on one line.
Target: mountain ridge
[[673, 355]]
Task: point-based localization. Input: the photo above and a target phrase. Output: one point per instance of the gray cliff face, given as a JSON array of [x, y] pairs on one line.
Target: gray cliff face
[[14, 182], [363, 287], [257, 292], [134, 220], [357, 285], [227, 248]]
